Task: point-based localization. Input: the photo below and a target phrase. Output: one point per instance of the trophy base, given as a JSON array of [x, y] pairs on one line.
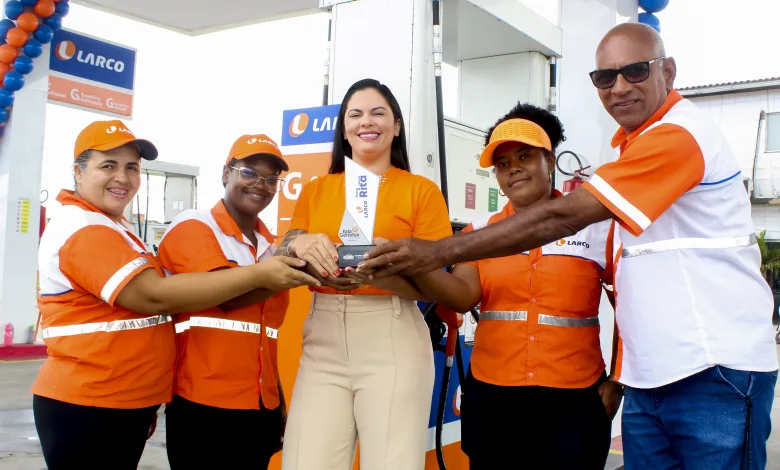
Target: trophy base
[[352, 255]]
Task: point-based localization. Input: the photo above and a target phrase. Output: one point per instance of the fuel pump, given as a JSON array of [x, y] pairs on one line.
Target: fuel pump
[[578, 176]]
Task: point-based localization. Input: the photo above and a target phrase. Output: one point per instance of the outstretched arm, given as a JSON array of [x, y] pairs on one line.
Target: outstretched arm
[[536, 226]]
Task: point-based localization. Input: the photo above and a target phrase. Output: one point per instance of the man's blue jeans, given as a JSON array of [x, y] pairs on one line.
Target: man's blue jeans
[[716, 419]]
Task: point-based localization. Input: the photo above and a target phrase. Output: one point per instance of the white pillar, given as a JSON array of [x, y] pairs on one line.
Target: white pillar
[[21, 157], [391, 42], [589, 128]]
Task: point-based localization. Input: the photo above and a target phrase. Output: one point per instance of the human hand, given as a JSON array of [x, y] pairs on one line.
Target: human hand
[[407, 257], [317, 250], [280, 273], [283, 417], [341, 284], [611, 394]]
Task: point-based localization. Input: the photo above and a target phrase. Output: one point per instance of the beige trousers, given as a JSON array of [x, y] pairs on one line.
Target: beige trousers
[[366, 371]]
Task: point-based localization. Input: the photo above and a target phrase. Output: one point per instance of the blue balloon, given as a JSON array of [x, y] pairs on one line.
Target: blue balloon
[[29, 3], [44, 34], [54, 22], [5, 25], [33, 48], [3, 115], [13, 9], [62, 8], [13, 80], [650, 20], [6, 98], [23, 64], [653, 6]]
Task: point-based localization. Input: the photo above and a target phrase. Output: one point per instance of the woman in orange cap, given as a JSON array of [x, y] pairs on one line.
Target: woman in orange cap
[[106, 304], [227, 409], [367, 365], [537, 395]]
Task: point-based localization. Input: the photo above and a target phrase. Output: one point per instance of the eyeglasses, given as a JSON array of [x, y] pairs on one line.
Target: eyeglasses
[[250, 178], [633, 73]]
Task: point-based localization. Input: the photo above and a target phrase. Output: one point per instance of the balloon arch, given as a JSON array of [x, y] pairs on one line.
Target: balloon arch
[[27, 26], [651, 7]]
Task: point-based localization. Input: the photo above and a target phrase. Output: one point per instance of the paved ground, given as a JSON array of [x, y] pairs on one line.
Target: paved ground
[[20, 450]]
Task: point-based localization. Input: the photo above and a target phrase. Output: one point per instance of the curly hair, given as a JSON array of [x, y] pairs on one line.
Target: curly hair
[[543, 118]]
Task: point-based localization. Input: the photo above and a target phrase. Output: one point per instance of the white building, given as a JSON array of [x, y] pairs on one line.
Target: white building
[[749, 114]]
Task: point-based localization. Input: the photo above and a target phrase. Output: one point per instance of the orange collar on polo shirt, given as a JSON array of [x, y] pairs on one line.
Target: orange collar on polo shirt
[[67, 197], [229, 226], [259, 144], [108, 135], [622, 137]]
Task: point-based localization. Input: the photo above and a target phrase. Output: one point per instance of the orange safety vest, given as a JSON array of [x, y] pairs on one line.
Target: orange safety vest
[[225, 359], [539, 320], [100, 353]]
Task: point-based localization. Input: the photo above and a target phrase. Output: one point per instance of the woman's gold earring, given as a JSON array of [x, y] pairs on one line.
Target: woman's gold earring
[[501, 193]]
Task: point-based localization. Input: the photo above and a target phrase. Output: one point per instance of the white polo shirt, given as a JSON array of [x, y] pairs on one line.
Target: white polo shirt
[[690, 294]]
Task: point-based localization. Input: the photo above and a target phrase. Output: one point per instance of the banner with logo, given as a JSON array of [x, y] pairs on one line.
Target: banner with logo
[[309, 125], [307, 140], [87, 72]]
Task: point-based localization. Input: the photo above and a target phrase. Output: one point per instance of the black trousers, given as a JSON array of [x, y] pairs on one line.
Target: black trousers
[[75, 437], [200, 436], [534, 427]]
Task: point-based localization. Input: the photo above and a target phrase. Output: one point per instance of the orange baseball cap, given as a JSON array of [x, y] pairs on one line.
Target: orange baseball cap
[[259, 144], [514, 130], [108, 135]]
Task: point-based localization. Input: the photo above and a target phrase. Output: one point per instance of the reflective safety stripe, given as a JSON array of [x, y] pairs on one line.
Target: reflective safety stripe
[[222, 324], [106, 327], [567, 321], [120, 276], [517, 315], [685, 243]]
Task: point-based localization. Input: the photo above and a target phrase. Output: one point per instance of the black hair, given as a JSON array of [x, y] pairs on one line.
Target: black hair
[[543, 118], [399, 156]]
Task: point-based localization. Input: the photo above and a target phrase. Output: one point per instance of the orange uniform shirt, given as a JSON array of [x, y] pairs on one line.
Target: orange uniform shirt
[[100, 354], [225, 359], [539, 312], [407, 206]]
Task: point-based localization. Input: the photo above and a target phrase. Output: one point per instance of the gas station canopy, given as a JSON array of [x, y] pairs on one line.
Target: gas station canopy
[[471, 28], [195, 17]]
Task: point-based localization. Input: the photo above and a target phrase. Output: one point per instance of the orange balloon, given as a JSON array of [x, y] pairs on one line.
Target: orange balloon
[[27, 21], [16, 37], [44, 8], [4, 69], [8, 54]]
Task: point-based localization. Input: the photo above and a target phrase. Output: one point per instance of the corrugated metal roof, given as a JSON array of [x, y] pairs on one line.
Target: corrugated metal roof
[[731, 87]]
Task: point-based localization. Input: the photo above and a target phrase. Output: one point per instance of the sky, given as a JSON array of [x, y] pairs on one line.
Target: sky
[[195, 95]]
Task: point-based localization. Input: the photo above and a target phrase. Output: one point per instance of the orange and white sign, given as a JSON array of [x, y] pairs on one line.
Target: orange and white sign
[[90, 96], [93, 73], [303, 168]]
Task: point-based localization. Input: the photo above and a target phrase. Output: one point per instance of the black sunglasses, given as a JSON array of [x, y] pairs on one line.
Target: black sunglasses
[[633, 73]]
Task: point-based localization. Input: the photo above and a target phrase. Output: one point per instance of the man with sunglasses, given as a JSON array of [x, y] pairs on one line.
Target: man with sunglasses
[[228, 409], [697, 358]]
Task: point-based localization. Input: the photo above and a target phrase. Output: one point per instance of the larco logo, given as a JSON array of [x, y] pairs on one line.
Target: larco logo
[[67, 50], [112, 129], [255, 140], [572, 243], [300, 123]]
